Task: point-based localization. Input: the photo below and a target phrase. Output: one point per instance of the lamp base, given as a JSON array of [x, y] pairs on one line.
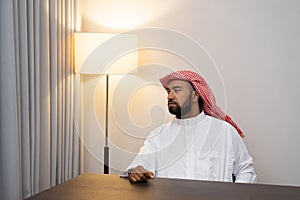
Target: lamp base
[[106, 160]]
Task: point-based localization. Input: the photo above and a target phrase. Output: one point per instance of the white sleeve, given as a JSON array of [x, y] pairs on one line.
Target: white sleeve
[[147, 155], [243, 167]]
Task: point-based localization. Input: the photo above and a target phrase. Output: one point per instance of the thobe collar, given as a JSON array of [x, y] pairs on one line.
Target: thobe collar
[[190, 121]]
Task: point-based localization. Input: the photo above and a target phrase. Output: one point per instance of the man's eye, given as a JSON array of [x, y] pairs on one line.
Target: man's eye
[[177, 90]]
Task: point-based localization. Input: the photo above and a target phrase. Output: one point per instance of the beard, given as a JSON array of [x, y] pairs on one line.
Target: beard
[[175, 109], [178, 111]]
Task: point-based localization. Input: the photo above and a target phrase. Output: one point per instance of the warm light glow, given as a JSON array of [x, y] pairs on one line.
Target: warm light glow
[[105, 53], [117, 14]]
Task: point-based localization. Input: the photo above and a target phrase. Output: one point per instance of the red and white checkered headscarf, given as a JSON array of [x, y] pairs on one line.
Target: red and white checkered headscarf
[[209, 102]]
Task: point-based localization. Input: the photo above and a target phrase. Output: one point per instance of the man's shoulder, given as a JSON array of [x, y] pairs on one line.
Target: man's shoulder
[[220, 121], [222, 126]]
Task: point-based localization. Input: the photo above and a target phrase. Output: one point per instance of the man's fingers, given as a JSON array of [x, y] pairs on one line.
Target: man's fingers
[[140, 177], [149, 175], [145, 172], [140, 174], [132, 179]]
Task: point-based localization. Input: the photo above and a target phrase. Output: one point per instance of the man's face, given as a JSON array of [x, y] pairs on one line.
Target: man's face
[[180, 94]]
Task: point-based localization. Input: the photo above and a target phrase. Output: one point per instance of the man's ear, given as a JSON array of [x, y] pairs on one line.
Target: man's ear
[[195, 96]]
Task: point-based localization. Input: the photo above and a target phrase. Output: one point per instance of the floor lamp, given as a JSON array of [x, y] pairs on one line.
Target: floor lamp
[[105, 54]]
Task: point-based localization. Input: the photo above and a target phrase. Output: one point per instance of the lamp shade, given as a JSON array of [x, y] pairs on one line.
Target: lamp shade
[[105, 53]]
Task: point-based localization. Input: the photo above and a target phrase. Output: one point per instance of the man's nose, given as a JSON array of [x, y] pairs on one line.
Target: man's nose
[[170, 95]]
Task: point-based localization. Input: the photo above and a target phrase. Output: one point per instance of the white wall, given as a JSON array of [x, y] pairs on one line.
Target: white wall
[[253, 69]]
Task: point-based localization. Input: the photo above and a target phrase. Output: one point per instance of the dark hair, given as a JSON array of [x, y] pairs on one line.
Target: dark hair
[[200, 100]]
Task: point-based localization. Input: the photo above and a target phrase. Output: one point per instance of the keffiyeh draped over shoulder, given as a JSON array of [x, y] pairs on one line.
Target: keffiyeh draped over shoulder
[[209, 102]]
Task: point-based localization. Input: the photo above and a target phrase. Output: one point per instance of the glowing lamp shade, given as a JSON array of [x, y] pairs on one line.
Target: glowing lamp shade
[[105, 53]]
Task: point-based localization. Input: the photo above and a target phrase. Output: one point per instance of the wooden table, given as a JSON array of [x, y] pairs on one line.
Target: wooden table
[[100, 186]]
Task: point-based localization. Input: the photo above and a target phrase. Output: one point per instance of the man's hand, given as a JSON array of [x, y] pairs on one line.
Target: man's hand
[[140, 174]]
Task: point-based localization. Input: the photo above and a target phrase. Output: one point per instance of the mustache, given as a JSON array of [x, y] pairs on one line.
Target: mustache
[[172, 101]]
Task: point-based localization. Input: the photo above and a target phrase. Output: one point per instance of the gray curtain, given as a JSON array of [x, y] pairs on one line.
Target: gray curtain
[[38, 144]]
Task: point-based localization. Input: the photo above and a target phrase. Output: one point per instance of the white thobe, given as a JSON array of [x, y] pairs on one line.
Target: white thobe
[[202, 148]]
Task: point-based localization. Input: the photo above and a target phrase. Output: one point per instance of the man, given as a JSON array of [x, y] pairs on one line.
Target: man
[[201, 142]]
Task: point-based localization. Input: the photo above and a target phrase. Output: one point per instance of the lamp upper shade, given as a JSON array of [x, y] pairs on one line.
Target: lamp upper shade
[[105, 53]]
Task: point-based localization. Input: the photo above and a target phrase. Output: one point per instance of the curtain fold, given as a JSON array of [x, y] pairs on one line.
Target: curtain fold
[[38, 143]]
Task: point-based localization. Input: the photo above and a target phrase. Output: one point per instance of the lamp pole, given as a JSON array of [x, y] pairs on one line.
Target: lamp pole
[[106, 147]]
